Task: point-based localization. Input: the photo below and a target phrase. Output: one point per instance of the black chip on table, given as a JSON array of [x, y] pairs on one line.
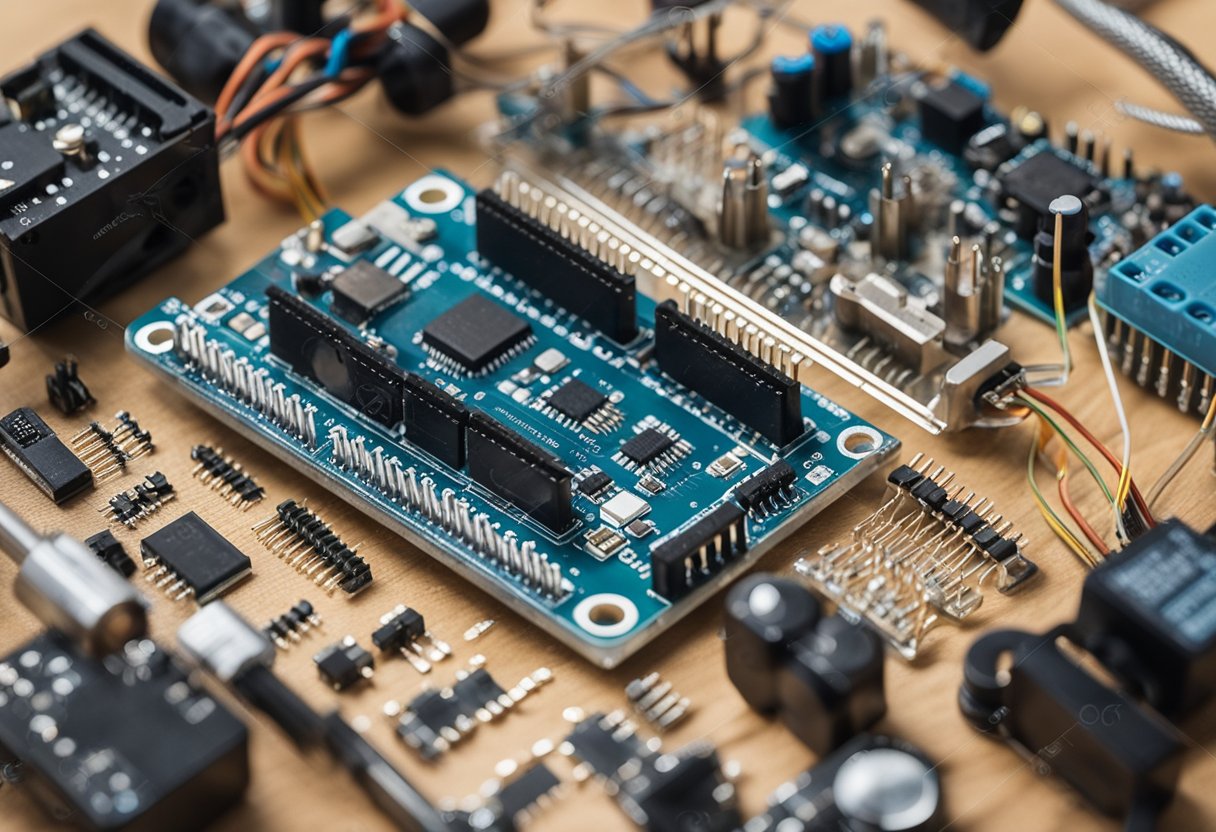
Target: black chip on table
[[363, 290], [576, 400], [475, 333], [344, 664], [646, 446], [198, 555]]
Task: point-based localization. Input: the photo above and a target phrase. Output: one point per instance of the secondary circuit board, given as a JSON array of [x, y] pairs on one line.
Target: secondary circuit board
[[561, 470]]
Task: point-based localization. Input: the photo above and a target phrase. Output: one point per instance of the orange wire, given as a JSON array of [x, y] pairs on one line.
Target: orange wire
[[251, 58], [1071, 508], [1093, 440]]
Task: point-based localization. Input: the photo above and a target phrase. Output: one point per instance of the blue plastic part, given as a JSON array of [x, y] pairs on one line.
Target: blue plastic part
[[1167, 289], [796, 65], [831, 39], [971, 83]]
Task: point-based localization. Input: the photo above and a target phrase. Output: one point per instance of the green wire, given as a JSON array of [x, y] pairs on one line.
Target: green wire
[[1093, 472]]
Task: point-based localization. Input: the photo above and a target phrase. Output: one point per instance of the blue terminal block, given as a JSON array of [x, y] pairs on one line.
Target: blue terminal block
[[1161, 305]]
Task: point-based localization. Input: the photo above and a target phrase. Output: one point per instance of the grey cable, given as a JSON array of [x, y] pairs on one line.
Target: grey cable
[[1159, 118], [1168, 61]]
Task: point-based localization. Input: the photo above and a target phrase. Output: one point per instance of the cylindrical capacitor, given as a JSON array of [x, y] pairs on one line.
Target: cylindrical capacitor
[[764, 616], [832, 46], [832, 687], [790, 99], [1076, 266]]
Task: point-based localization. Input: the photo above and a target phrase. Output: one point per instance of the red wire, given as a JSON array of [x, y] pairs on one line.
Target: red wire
[[1093, 440]]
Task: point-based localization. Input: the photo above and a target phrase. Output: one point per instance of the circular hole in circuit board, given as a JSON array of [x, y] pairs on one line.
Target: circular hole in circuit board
[[155, 338], [606, 615], [433, 195], [859, 441]]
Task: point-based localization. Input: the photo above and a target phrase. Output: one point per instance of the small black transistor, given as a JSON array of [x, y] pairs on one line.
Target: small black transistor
[[65, 389], [111, 552], [205, 564], [344, 664]]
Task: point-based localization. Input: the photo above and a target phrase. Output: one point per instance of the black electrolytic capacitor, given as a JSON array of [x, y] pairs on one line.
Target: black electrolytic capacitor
[[1076, 266], [791, 96]]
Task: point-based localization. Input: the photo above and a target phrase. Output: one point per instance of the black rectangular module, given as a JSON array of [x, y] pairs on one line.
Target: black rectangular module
[[475, 335], [532, 479], [319, 348], [693, 556], [757, 394], [569, 275], [1150, 611], [435, 421], [198, 555], [362, 290], [950, 114], [34, 447], [526, 789], [133, 187], [150, 750]]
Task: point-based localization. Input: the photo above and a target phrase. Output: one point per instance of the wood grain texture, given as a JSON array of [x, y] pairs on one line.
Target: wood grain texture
[[365, 152]]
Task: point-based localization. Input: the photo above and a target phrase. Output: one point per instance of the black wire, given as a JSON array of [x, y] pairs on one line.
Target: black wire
[[298, 91], [248, 89]]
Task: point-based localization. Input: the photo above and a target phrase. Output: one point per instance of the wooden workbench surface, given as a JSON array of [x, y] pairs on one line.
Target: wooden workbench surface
[[364, 153]]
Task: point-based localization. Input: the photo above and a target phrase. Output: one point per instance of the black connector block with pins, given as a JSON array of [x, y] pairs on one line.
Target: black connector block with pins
[[111, 552], [65, 390], [290, 627], [307, 543], [225, 476]]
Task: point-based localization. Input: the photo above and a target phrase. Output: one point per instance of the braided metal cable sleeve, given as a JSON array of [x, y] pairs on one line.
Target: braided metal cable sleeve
[[1159, 118], [1168, 61]]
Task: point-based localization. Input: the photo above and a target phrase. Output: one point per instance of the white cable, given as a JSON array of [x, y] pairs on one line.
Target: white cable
[[1111, 382]]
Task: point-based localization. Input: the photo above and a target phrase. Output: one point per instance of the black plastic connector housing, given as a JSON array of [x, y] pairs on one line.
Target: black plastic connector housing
[[88, 211]]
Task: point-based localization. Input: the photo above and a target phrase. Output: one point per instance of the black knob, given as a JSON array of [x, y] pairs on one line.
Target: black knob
[[198, 44], [458, 20], [764, 616], [414, 71], [982, 23], [831, 689]]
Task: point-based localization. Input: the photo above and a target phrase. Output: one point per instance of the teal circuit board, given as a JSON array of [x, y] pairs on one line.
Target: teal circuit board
[[849, 182], [608, 459]]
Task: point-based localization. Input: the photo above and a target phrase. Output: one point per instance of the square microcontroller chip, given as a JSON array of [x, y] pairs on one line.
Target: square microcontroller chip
[[201, 558], [476, 334], [1037, 181], [576, 400], [646, 446], [363, 290]]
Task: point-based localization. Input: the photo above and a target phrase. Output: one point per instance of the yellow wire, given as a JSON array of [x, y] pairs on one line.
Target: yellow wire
[[1057, 292], [1052, 519]]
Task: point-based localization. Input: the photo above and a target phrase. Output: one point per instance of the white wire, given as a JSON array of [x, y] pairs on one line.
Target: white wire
[[1111, 382]]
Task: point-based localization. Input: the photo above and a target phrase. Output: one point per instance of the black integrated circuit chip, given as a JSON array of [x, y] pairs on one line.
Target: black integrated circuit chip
[[435, 421], [510, 466], [317, 347], [594, 484], [476, 334], [201, 558], [576, 400], [646, 446], [344, 664], [754, 392], [363, 290], [557, 268], [37, 450], [1033, 184]]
